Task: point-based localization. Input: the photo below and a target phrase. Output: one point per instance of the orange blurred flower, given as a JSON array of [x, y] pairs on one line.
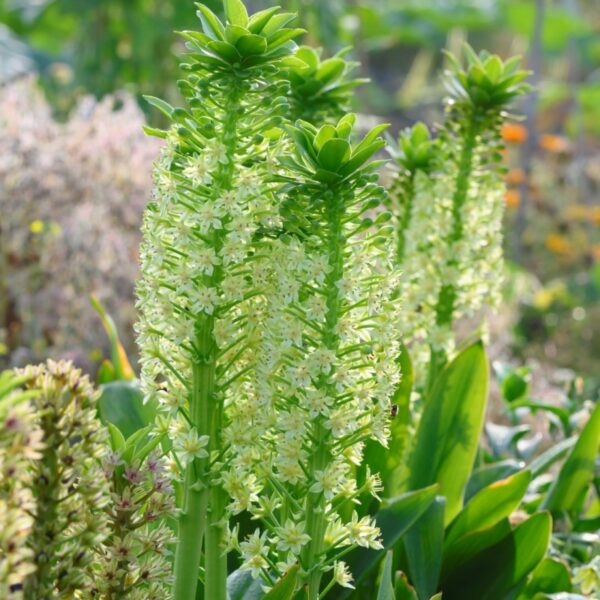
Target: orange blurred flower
[[512, 198], [514, 133], [558, 244], [557, 144], [515, 177], [596, 252], [594, 215]]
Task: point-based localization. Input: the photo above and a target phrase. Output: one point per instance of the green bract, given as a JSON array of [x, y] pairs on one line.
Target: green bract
[[241, 42], [326, 154], [321, 89], [487, 82]]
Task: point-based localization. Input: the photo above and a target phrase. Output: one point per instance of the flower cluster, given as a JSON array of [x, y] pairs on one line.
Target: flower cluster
[[326, 370], [132, 562], [201, 257], [448, 205], [20, 442], [66, 481]]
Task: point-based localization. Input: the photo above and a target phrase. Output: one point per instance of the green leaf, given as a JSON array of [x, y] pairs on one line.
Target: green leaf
[[550, 576], [121, 404], [236, 12], [449, 431], [393, 470], [386, 588], [249, 45], [211, 24], [258, 20], [568, 490], [394, 519], [541, 463], [487, 474], [489, 506], [242, 586], [117, 440], [330, 69], [403, 589], [472, 544], [500, 568], [284, 589], [333, 154], [324, 134], [120, 362], [164, 107], [423, 546]]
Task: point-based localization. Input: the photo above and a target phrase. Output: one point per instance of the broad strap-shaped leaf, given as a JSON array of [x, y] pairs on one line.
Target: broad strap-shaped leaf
[[423, 547], [489, 506], [487, 474], [501, 568], [242, 586], [386, 586], [568, 490], [551, 576], [449, 431]]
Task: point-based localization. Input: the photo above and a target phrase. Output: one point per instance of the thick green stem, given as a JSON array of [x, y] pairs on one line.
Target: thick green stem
[[316, 522], [407, 197], [203, 515], [447, 296]]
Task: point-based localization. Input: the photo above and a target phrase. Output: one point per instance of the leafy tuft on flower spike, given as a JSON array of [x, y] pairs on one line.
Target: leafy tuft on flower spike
[[487, 83], [321, 89], [327, 154]]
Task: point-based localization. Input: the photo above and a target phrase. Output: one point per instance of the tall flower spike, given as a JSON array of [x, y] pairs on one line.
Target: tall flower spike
[[20, 443], [133, 561], [328, 367], [66, 481], [199, 295], [451, 249]]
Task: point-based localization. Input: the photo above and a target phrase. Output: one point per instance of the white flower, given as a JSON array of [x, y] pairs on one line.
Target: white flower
[[253, 550], [342, 575], [190, 445], [292, 537], [363, 532], [205, 300]]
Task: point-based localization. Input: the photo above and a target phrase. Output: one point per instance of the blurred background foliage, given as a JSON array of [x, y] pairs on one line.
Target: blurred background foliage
[[114, 50]]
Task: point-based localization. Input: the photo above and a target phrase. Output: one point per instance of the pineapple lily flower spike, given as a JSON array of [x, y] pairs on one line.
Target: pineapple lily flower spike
[[447, 203], [330, 366], [196, 297]]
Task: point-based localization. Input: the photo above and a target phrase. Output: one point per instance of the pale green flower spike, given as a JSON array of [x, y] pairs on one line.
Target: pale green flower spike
[[200, 293], [448, 206], [326, 369]]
